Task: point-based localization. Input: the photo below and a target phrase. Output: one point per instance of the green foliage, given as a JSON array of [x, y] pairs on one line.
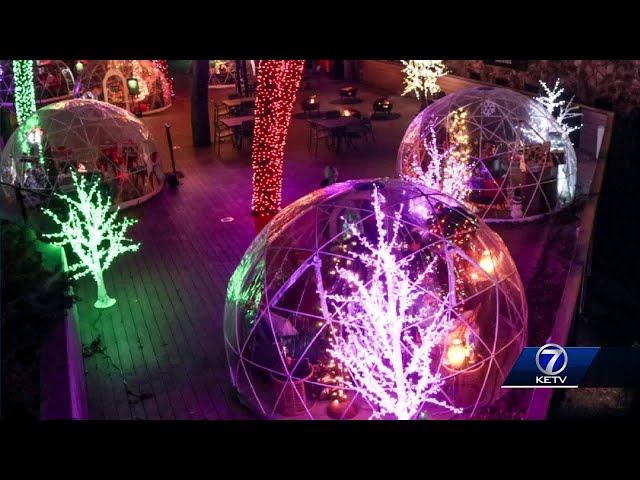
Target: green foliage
[[24, 89], [34, 301], [90, 228]]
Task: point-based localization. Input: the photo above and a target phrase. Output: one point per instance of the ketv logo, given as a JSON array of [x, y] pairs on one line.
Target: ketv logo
[[550, 366], [551, 360]]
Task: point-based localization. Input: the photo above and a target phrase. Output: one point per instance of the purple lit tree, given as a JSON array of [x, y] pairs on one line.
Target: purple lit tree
[[388, 326]]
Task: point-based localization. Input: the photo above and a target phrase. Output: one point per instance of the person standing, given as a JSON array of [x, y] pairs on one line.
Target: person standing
[[330, 176], [94, 93]]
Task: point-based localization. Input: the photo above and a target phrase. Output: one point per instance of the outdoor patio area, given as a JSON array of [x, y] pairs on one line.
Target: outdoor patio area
[[163, 343]]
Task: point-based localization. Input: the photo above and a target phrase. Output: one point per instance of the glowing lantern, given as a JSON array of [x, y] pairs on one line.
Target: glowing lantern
[[486, 262], [34, 137], [457, 353]]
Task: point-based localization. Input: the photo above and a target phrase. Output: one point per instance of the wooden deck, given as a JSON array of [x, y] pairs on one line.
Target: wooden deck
[[165, 332]]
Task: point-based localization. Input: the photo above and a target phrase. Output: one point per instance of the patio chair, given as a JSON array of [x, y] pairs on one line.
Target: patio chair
[[352, 134], [221, 110], [318, 133], [248, 107], [245, 131], [367, 129], [221, 133]]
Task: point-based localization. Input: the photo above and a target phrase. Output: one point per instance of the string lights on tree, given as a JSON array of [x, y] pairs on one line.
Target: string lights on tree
[[24, 92], [448, 171], [94, 233], [560, 109], [277, 84], [388, 332], [421, 77], [163, 66], [139, 74]]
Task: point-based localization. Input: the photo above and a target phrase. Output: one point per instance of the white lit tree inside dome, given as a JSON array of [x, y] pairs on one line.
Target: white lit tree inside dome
[[53, 81], [520, 163], [109, 80], [87, 136], [295, 310]]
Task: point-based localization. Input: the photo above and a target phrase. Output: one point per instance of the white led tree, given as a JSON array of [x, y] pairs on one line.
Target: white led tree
[[388, 326], [560, 109], [94, 233], [420, 78], [448, 171]]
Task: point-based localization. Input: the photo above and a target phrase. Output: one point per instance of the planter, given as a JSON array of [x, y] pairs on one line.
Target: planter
[[290, 395]]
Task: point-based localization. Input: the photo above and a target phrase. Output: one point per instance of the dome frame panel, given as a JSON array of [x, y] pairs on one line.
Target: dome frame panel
[[88, 136], [273, 301], [523, 166]]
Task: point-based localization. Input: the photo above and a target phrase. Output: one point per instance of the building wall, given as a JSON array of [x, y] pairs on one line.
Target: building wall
[[383, 74], [601, 83], [609, 84]]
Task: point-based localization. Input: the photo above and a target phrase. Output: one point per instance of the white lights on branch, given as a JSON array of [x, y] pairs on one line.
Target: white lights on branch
[[388, 332], [562, 110]]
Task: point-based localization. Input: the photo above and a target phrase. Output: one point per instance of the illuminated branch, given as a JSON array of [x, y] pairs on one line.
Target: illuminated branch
[[421, 77], [167, 81], [388, 328], [94, 233], [449, 171], [565, 110]]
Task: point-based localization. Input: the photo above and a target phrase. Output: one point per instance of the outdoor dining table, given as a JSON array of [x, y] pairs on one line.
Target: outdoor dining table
[[235, 102], [234, 123], [337, 126]]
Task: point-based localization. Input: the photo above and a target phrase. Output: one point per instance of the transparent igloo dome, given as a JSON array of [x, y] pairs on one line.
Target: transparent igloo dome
[[284, 327], [110, 79], [88, 136], [520, 163], [53, 81]]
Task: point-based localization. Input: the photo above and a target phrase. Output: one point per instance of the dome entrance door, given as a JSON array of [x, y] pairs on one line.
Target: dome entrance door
[[115, 89]]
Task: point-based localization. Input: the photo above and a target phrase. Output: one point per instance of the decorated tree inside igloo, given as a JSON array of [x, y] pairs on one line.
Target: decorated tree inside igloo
[[520, 163], [302, 336]]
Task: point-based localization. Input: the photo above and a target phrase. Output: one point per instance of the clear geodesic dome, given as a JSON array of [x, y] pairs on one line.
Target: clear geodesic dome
[[52, 79], [111, 77], [88, 136], [521, 163], [280, 324]]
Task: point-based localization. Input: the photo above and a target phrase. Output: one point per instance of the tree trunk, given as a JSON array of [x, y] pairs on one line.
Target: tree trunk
[[423, 100], [200, 103], [338, 70], [103, 301], [277, 84]]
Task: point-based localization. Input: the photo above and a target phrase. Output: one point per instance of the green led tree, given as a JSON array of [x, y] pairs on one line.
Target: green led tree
[[94, 233], [24, 91]]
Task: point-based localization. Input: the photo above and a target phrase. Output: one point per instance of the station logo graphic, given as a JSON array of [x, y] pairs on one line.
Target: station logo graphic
[[550, 366], [551, 360]]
